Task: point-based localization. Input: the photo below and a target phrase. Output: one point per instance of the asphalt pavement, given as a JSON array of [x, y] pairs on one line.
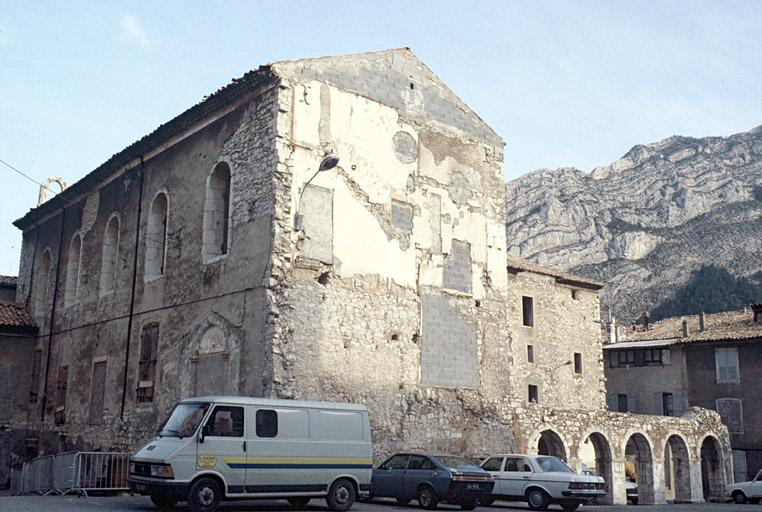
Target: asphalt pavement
[[143, 504]]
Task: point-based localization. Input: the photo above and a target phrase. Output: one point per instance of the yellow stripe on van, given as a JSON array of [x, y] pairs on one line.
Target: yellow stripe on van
[[298, 462]]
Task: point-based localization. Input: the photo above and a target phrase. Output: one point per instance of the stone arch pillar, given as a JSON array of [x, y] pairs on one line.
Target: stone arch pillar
[[677, 468], [712, 468]]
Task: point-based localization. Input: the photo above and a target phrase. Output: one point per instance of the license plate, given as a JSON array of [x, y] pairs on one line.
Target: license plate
[[140, 487], [473, 487]]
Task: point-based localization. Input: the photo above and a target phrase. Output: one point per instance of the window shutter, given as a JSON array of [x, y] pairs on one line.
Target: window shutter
[[666, 357], [631, 403], [613, 401], [658, 404], [677, 404]]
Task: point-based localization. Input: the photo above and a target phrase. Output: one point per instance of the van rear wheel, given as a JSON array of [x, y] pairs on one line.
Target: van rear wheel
[[341, 496], [204, 495], [299, 502]]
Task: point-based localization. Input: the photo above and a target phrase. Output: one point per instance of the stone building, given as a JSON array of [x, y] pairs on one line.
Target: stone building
[[708, 360], [212, 257], [17, 336]]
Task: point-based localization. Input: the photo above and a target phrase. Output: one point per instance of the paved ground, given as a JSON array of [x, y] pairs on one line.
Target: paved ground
[[141, 504]]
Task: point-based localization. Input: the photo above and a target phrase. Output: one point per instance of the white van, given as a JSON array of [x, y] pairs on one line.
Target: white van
[[227, 447]]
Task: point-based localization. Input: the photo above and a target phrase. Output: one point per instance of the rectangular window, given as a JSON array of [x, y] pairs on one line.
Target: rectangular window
[[621, 402], [35, 380], [527, 310], [726, 360], [149, 346], [576, 294], [267, 423], [97, 393], [226, 421], [667, 404], [534, 395], [731, 412], [62, 382], [653, 357], [577, 362], [625, 358], [530, 353]]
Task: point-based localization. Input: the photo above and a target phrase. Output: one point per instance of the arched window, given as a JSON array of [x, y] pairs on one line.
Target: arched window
[[43, 283], [156, 237], [110, 255], [217, 213], [72, 270]]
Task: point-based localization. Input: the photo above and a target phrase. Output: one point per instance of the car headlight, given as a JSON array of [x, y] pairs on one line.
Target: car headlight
[[132, 468], [163, 471]]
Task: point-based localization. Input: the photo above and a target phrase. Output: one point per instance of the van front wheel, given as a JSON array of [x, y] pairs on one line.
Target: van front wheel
[[204, 495], [341, 496]]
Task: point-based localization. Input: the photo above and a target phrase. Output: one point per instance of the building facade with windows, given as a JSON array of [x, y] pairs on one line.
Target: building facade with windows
[[709, 360], [211, 257]]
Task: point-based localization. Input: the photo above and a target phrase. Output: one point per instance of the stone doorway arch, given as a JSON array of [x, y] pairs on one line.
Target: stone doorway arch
[[550, 443], [638, 451], [712, 474], [677, 471], [603, 462]]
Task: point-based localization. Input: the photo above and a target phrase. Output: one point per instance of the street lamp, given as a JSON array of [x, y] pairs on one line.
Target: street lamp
[[328, 162], [565, 363]]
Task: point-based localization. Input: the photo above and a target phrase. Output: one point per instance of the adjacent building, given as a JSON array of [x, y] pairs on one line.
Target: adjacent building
[[709, 360], [212, 257]]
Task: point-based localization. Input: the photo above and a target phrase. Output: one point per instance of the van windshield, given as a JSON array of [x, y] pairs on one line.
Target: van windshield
[[184, 420]]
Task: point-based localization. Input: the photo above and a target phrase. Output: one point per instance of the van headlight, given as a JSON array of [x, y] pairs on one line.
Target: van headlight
[[162, 471]]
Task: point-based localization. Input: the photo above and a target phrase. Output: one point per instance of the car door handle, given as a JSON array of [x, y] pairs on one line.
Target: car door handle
[[525, 477]]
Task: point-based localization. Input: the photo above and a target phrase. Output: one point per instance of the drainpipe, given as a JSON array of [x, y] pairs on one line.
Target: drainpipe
[[53, 314], [132, 292]]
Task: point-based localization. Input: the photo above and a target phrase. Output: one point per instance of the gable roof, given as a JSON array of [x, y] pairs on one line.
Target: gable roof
[[382, 75], [397, 78], [15, 319], [727, 326], [517, 264], [8, 281]]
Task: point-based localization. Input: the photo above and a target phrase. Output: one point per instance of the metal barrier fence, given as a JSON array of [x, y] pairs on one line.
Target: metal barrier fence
[[80, 472]]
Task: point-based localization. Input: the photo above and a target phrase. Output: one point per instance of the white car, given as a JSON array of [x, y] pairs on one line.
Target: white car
[[540, 480], [741, 492]]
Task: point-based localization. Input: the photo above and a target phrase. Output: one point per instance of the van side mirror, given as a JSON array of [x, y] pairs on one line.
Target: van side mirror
[[203, 433]]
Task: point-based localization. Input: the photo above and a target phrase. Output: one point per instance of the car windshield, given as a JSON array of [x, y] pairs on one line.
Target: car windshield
[[455, 462], [184, 420], [553, 464]]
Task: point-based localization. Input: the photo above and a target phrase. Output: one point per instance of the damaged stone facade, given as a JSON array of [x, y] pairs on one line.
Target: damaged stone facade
[[383, 281]]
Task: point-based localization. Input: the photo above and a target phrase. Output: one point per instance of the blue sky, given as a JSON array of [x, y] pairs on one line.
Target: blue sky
[[564, 83]]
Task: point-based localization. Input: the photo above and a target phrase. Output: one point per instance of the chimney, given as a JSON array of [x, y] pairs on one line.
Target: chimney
[[757, 309], [646, 320], [686, 330], [612, 330], [702, 322]]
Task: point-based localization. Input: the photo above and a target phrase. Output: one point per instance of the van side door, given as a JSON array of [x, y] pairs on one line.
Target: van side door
[[225, 445]]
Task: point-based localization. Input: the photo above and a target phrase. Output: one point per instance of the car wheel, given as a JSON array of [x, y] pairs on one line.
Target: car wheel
[[164, 502], [204, 495], [299, 502], [538, 499], [739, 497], [427, 498], [403, 501], [468, 503], [571, 507], [486, 500], [341, 496]]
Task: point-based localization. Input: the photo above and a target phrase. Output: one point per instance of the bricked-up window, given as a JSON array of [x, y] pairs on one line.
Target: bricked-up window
[[73, 259], [35, 380], [533, 394], [62, 382], [43, 283], [6, 392], [527, 311], [97, 393], [731, 412], [149, 347], [726, 360], [110, 256], [577, 362], [156, 237], [530, 353], [216, 213]]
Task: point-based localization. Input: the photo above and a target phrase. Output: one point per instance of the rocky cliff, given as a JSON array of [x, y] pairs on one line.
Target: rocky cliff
[[650, 221]]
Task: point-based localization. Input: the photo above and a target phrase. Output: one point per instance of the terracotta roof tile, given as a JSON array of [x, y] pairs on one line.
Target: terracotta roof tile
[[15, 317], [8, 280], [730, 325], [517, 264]]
